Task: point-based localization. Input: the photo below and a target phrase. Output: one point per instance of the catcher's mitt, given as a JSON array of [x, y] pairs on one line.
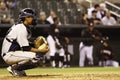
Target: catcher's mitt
[[40, 42]]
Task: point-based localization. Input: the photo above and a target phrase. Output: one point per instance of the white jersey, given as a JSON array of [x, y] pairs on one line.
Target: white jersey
[[17, 33], [110, 21]]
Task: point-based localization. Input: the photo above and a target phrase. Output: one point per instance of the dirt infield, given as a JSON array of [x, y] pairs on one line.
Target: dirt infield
[[92, 76], [67, 74]]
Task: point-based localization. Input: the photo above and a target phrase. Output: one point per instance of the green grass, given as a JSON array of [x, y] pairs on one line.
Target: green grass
[[67, 70], [73, 70], [76, 73]]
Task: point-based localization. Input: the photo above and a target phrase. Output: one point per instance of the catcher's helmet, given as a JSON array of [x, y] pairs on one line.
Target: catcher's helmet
[[27, 12]]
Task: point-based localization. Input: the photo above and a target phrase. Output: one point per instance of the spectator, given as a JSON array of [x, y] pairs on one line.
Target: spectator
[[54, 43], [102, 10], [51, 16], [89, 35], [108, 19], [96, 7], [11, 4], [84, 19], [94, 18], [42, 18], [5, 16]]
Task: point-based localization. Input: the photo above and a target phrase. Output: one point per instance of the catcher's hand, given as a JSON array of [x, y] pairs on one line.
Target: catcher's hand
[[40, 43]]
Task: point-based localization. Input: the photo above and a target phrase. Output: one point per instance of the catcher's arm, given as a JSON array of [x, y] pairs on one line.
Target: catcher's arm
[[43, 50]]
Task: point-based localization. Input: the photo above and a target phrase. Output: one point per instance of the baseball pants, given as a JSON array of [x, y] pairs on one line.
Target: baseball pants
[[85, 52], [14, 57], [53, 48]]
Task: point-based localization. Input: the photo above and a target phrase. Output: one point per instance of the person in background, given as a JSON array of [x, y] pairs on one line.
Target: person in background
[[88, 37], [54, 44], [5, 16], [42, 18], [106, 54], [96, 8], [96, 20], [11, 4], [51, 16], [102, 10], [67, 56], [84, 19], [108, 19]]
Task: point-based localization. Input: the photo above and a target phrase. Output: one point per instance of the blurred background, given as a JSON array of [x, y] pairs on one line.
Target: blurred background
[[72, 14]]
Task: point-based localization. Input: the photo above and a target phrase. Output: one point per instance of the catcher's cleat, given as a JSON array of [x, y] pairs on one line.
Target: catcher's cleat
[[22, 73], [16, 72]]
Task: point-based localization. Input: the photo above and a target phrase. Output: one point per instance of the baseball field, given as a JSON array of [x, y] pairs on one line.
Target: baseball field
[[87, 73]]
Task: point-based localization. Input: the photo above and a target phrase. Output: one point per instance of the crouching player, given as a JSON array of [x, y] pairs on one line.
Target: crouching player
[[16, 50], [106, 55]]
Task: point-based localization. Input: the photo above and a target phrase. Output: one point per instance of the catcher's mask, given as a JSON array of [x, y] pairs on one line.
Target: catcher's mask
[[28, 12]]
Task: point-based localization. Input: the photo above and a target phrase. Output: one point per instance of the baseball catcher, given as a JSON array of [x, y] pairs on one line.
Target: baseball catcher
[[16, 49]]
